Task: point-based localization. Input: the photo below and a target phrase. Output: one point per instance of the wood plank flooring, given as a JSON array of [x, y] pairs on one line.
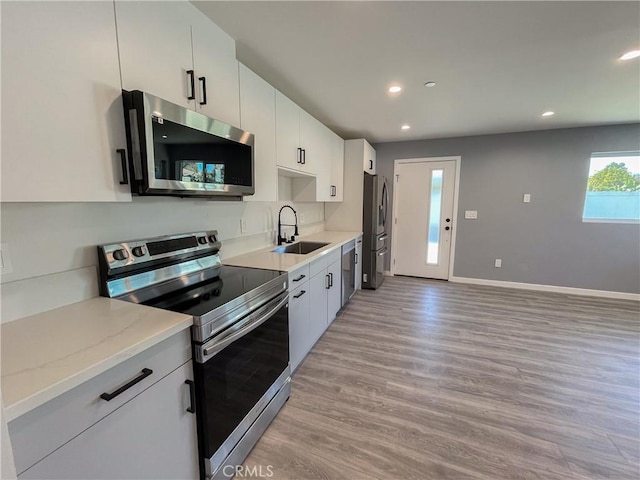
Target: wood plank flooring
[[433, 380]]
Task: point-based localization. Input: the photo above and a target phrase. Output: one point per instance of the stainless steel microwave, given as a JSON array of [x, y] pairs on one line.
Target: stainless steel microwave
[[176, 151]]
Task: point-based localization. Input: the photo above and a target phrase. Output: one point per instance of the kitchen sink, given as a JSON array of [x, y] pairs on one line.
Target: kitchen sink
[[301, 248]]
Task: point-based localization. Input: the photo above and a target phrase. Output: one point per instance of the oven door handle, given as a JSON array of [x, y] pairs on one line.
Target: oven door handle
[[223, 341]]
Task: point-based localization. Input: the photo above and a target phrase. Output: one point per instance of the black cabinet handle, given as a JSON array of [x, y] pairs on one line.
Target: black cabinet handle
[[328, 284], [331, 280], [300, 294], [192, 395], [304, 156], [203, 82], [370, 164], [110, 396], [334, 190], [192, 82], [123, 162], [299, 159], [447, 228], [299, 278], [356, 258]]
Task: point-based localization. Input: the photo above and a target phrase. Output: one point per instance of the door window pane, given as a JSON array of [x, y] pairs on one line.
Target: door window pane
[[433, 241]]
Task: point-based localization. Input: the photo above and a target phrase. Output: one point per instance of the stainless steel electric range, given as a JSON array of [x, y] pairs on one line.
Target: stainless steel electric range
[[240, 334]]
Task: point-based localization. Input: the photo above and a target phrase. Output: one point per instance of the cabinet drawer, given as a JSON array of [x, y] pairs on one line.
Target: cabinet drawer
[[39, 432], [298, 277]]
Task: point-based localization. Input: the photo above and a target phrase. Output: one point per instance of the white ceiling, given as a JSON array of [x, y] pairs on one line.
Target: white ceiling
[[498, 65]]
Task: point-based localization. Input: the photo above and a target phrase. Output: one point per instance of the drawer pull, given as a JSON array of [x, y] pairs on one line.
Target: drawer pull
[[299, 278], [192, 394], [110, 396], [300, 294]]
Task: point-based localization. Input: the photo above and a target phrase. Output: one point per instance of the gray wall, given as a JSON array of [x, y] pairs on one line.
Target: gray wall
[[545, 241]]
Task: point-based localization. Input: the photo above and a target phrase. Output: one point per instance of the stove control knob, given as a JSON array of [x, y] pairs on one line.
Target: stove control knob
[[202, 240], [212, 238], [120, 254], [138, 251]]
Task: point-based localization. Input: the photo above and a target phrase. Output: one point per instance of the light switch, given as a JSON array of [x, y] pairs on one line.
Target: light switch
[[301, 216], [526, 198], [243, 225], [471, 214]]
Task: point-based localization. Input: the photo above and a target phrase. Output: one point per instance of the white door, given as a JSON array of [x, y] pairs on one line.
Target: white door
[[424, 192]]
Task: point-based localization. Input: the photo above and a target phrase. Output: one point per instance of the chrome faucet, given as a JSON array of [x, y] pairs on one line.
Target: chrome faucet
[[282, 239]]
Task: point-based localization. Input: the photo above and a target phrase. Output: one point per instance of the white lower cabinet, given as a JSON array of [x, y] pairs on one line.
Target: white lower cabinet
[[334, 292], [313, 303], [299, 319], [151, 436], [144, 431]]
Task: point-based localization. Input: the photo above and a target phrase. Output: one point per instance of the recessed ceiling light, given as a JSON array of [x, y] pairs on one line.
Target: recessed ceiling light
[[548, 114], [630, 55], [430, 84], [395, 89], [406, 127]]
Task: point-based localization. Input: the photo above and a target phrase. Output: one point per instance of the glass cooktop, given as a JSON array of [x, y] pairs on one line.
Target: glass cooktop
[[204, 297]]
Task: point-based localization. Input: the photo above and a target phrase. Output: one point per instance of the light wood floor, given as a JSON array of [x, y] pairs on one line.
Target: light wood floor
[[433, 380]]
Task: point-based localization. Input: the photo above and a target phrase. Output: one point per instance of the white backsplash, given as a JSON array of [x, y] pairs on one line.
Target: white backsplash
[[53, 245]]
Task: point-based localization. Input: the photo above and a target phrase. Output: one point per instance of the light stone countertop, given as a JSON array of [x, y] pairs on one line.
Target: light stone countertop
[[48, 354], [287, 262]]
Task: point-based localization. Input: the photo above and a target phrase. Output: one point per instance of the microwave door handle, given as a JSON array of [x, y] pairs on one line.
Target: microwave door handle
[[218, 344]]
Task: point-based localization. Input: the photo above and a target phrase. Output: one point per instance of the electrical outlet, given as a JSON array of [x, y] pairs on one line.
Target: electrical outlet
[[471, 214], [301, 216], [526, 198], [5, 259], [498, 263], [243, 225]]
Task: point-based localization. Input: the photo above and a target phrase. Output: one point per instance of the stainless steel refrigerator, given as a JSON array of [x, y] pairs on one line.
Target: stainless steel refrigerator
[[374, 239]]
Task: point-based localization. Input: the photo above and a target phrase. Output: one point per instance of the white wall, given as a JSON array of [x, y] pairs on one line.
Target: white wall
[[53, 245]]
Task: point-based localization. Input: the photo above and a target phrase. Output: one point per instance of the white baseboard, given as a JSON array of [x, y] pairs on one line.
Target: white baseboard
[[548, 288], [387, 273]]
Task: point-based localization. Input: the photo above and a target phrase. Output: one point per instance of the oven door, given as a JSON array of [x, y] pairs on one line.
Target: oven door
[[238, 373]]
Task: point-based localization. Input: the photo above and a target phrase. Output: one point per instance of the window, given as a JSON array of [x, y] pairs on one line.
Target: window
[[613, 188]]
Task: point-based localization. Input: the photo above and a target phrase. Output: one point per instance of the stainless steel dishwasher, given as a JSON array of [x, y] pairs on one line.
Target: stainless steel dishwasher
[[348, 271]]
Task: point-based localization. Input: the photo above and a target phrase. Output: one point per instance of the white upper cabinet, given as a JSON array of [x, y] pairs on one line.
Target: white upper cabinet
[[336, 188], [369, 159], [154, 41], [173, 51], [330, 169], [258, 116], [62, 119], [216, 68], [288, 133], [315, 144]]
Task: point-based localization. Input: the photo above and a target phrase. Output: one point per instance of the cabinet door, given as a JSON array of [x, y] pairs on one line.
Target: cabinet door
[[369, 160], [316, 142], [62, 118], [154, 39], [258, 116], [323, 166], [337, 169], [300, 341], [150, 437], [358, 263], [216, 68], [319, 287], [334, 294], [287, 132]]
